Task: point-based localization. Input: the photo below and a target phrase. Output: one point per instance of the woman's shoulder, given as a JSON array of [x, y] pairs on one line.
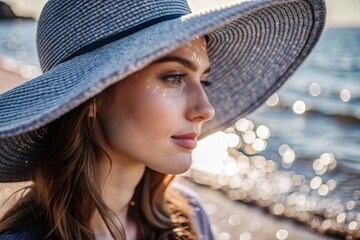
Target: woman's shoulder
[[200, 218]]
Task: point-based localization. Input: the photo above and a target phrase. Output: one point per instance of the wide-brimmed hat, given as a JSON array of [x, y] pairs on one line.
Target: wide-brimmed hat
[[86, 46]]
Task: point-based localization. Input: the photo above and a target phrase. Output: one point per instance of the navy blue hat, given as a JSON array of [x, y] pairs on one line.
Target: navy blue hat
[[86, 46]]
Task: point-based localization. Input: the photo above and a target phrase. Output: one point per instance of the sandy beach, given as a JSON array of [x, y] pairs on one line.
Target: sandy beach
[[14, 73], [5, 84]]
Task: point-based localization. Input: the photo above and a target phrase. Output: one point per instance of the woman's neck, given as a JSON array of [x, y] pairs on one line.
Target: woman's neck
[[118, 185]]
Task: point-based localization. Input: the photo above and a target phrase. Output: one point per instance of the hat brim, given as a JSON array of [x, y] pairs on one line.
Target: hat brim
[[253, 47]]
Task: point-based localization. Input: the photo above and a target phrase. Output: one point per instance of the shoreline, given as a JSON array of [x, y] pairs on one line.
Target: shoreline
[[14, 73]]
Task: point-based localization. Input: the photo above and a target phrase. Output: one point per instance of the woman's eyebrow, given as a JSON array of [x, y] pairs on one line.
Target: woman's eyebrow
[[186, 63]]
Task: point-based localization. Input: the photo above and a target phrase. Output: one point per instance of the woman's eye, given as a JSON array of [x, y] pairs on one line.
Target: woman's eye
[[175, 79]]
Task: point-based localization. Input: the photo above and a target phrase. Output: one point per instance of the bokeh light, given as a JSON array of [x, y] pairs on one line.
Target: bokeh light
[[299, 107], [323, 190], [263, 132], [259, 144], [246, 236], [316, 182], [345, 95], [249, 137], [282, 234], [273, 100], [315, 89]]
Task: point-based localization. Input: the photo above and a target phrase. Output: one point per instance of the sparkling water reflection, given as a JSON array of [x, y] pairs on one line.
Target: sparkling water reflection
[[245, 175]]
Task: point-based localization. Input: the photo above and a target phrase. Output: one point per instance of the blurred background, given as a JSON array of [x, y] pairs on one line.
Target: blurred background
[[291, 169]]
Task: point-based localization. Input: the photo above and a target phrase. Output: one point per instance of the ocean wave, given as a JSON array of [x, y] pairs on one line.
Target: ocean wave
[[345, 113]]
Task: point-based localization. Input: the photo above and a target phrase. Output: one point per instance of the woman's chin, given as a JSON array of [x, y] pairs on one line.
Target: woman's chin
[[175, 168]]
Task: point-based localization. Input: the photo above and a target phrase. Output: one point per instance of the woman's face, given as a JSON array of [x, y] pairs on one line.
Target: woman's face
[[154, 116]]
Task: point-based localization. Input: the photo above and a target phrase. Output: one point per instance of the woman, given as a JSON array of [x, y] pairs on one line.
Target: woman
[[125, 92]]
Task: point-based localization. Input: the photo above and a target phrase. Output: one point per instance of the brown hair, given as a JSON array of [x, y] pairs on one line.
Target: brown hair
[[66, 192]]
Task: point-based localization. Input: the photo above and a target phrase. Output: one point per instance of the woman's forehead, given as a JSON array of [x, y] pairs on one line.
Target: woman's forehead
[[194, 52], [197, 44]]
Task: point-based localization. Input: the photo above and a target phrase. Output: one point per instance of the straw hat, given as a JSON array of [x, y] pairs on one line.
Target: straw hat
[[86, 46]]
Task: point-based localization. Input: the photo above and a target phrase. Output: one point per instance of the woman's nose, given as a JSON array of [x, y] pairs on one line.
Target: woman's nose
[[200, 108]]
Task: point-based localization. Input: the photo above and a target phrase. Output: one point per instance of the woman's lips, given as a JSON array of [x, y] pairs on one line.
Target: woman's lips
[[187, 141]]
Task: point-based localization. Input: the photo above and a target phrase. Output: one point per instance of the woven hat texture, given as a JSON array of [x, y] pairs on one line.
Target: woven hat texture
[[86, 46]]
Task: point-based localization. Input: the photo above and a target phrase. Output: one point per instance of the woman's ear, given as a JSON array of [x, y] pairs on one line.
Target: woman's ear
[[92, 109]]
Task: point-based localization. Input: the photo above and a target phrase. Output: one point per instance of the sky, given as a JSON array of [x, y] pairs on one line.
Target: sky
[[341, 13]]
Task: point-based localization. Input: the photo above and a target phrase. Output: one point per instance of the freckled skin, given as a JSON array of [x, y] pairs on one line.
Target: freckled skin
[[148, 108]]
